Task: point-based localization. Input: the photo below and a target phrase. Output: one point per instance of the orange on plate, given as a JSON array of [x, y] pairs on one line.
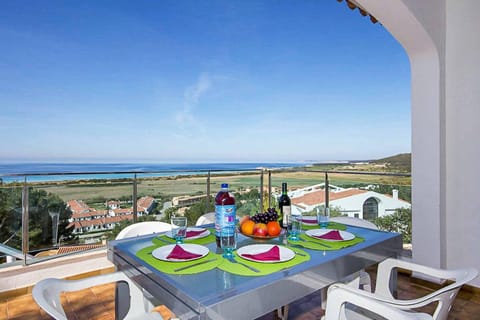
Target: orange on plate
[[247, 227], [273, 228]]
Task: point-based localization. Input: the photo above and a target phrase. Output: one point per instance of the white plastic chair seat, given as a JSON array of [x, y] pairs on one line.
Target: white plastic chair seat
[[207, 218], [46, 294], [143, 228], [341, 297]]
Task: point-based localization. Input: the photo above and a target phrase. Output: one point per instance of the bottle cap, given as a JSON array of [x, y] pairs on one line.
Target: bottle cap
[[224, 185]]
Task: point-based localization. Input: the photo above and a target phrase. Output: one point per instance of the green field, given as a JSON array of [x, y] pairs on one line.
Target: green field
[[168, 187]]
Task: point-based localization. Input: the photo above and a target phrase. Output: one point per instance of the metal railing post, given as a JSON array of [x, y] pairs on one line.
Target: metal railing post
[[261, 189], [135, 218], [327, 194], [207, 202], [269, 188], [25, 224]]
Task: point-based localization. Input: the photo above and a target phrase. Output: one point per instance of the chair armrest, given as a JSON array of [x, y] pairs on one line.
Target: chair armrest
[[385, 268]]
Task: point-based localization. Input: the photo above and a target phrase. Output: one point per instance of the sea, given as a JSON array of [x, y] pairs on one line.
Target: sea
[[50, 172]]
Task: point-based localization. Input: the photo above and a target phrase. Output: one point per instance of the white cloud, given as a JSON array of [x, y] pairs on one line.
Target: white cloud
[[192, 94]]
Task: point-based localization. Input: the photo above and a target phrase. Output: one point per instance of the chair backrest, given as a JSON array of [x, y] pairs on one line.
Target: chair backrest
[[355, 222], [207, 218], [444, 296], [143, 228], [46, 294], [338, 298]]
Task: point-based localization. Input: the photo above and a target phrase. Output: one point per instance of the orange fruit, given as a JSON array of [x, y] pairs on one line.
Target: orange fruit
[[273, 228], [247, 227]]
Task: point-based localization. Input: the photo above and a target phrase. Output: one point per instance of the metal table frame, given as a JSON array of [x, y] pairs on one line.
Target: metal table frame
[[216, 294]]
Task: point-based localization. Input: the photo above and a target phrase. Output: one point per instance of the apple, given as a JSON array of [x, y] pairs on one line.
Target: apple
[[260, 229]]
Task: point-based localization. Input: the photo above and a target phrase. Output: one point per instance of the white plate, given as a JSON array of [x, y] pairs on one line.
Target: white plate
[[320, 232], [163, 252], [205, 233], [309, 221], [285, 253]]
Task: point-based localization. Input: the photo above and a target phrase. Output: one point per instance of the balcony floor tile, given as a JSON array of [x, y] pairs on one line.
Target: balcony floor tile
[[97, 303]]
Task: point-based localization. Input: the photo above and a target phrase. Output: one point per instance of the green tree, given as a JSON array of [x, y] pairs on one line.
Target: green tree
[[11, 216], [400, 221], [197, 210], [40, 223]]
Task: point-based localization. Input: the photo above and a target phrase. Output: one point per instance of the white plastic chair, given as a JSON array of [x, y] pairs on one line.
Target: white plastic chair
[[143, 228], [339, 298], [363, 281], [207, 218], [46, 294], [444, 296], [128, 297]]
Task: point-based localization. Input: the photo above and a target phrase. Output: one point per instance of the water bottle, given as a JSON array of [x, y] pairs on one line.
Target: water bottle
[[225, 211]]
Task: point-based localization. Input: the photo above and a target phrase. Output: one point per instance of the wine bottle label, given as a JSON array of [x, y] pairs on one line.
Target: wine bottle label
[[287, 210], [224, 218]]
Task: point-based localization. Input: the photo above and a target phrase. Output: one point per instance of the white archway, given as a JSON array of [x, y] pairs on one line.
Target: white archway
[[438, 36]]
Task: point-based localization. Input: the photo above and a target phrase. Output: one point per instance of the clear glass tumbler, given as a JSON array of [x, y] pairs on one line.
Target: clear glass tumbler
[[295, 227], [228, 241], [323, 217], [179, 228]]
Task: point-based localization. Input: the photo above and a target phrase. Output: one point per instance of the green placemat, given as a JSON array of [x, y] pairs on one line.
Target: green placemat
[[331, 225], [264, 268], [317, 244], [206, 240], [168, 267]]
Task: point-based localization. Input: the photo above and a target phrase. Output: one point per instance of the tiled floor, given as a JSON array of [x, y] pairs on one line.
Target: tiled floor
[[97, 303]]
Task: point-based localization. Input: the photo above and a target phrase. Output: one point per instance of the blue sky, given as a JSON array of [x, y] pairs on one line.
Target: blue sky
[[168, 81]]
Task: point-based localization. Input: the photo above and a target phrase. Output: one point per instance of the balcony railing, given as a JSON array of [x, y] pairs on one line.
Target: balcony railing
[[36, 209]]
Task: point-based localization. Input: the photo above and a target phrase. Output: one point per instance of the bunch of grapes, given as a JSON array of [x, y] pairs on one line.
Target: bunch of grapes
[[270, 215]]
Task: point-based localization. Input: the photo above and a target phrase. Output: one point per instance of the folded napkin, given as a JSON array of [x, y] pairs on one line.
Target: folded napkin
[[309, 220], [332, 235], [179, 253], [272, 254], [194, 233]]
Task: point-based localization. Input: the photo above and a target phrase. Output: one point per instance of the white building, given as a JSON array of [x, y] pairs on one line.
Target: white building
[[85, 219], [354, 202]]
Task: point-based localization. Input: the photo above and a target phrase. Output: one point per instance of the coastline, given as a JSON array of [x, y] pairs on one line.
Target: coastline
[[52, 172]]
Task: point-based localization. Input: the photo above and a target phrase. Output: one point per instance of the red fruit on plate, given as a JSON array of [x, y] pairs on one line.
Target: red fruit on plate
[[260, 229]]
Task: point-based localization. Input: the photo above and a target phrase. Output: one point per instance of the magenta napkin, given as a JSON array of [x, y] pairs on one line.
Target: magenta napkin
[[272, 254], [179, 253], [193, 233], [332, 235], [309, 220]]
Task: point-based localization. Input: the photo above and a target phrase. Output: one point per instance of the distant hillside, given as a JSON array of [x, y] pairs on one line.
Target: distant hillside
[[400, 162]]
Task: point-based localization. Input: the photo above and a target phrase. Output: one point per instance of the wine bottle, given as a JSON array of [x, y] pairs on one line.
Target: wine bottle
[[285, 207]]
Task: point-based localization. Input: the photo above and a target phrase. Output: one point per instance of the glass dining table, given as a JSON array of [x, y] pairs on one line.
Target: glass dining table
[[217, 293]]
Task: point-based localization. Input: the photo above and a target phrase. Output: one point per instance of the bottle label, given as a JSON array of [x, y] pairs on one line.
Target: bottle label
[[224, 218]]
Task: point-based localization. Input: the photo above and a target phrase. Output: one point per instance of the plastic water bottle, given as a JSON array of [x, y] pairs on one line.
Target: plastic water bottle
[[225, 211]]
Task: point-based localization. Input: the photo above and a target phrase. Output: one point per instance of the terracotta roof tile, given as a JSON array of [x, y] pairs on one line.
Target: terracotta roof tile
[[69, 249], [318, 197]]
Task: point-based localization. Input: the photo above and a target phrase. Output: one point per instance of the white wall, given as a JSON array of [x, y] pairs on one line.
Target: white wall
[[462, 134], [440, 37]]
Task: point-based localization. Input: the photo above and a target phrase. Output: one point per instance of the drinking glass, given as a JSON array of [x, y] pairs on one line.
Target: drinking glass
[[179, 228], [322, 217], [295, 227], [228, 241]]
